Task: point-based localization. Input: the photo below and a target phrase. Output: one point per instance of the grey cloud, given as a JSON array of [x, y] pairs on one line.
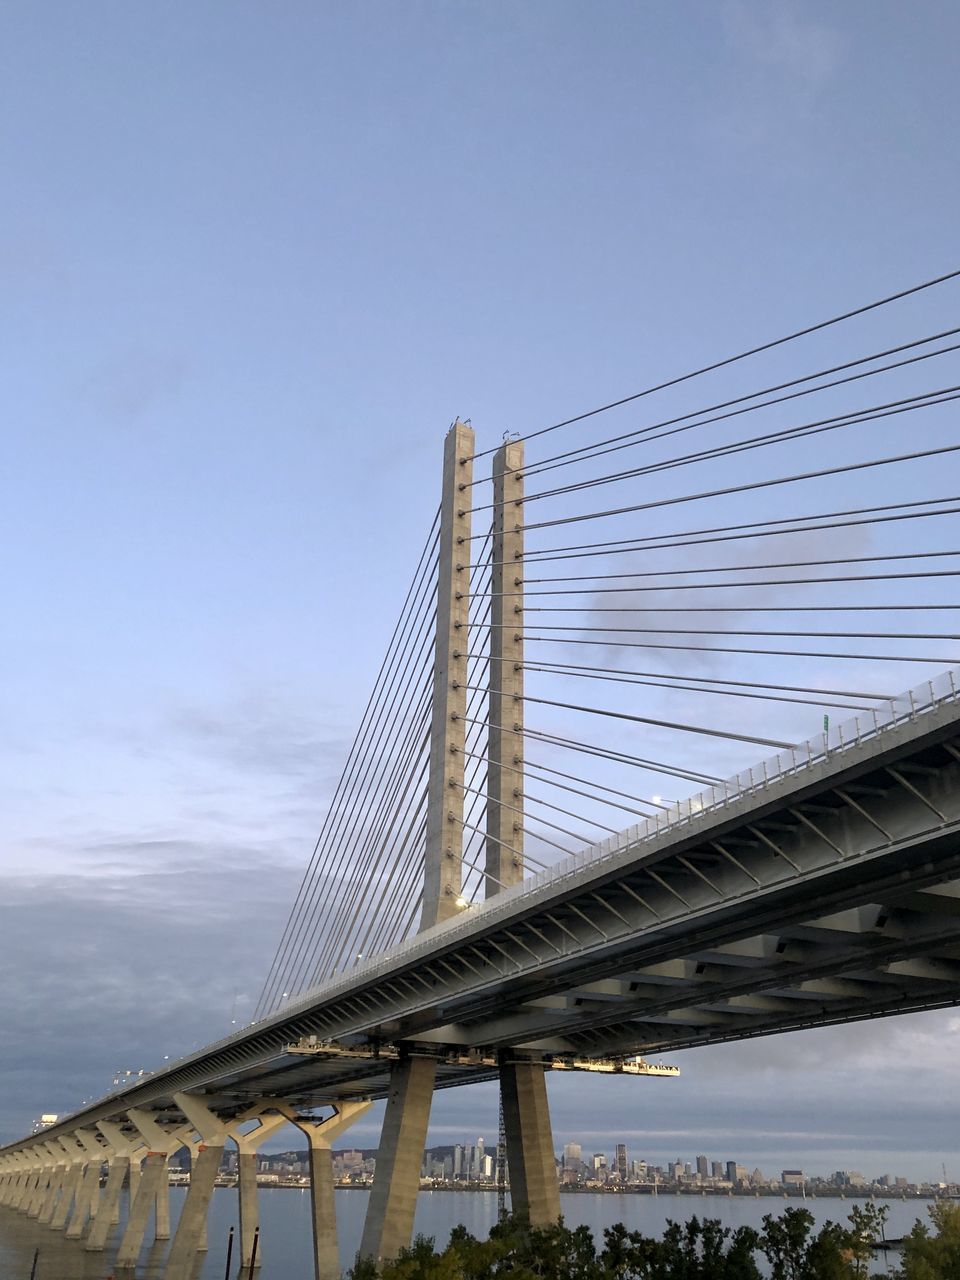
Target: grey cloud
[[119, 970]]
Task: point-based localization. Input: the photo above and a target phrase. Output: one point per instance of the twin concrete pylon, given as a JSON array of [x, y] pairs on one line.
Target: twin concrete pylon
[[530, 1157]]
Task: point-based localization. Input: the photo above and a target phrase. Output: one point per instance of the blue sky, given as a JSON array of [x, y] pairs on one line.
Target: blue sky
[[253, 260]]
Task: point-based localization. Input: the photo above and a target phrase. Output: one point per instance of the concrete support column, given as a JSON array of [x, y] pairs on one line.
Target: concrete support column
[[122, 1152], [162, 1210], [133, 1182], [109, 1202], [248, 1143], [39, 1192], [29, 1188], [154, 1169], [58, 1172], [320, 1133], [393, 1199], [193, 1216], [18, 1187], [69, 1190], [534, 1190], [167, 1141], [190, 1236], [88, 1192]]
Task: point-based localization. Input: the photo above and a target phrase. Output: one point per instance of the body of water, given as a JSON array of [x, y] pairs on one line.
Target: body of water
[[285, 1227]]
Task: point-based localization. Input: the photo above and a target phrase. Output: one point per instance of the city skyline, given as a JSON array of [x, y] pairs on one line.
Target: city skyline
[[475, 1162]]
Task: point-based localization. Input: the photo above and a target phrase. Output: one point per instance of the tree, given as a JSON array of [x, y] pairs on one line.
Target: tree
[[786, 1243], [936, 1256], [866, 1228]]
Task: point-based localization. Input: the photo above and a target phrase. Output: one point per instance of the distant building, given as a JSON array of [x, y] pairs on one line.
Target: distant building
[[716, 1169], [622, 1161], [792, 1178], [702, 1168]]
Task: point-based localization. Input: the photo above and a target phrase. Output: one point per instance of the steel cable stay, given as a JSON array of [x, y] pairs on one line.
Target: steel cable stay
[[528, 798], [421, 583], [657, 723], [361, 870], [369, 911], [642, 435], [380, 772], [554, 826], [335, 863], [527, 856], [742, 568], [711, 631], [328, 863], [416, 857], [746, 487], [542, 768], [339, 818], [354, 944], [364, 863], [682, 688], [329, 921], [707, 648], [755, 529], [562, 667], [900, 575], [621, 757], [587, 795], [735, 359], [944, 395]]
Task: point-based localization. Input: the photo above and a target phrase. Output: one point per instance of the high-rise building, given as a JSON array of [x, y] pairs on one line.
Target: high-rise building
[[622, 1161], [458, 1161], [478, 1160], [702, 1167], [572, 1156], [716, 1169]]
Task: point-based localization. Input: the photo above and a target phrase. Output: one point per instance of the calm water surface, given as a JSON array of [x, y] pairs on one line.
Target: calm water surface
[[285, 1227]]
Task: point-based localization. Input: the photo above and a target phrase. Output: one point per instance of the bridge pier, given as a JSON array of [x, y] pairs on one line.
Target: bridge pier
[[248, 1144], [320, 1133], [120, 1157], [69, 1185], [149, 1184], [87, 1193], [154, 1169], [534, 1190], [393, 1198], [191, 1233], [36, 1194], [58, 1171]]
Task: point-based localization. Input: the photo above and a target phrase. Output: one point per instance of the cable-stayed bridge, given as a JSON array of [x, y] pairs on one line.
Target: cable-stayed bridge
[[476, 907]]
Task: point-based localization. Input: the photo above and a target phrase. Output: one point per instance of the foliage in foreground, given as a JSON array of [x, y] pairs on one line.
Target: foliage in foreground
[[788, 1245]]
